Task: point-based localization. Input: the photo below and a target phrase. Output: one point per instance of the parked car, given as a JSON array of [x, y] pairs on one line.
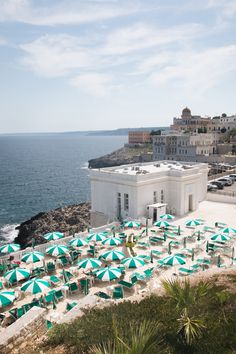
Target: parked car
[[211, 187], [226, 181], [233, 176], [218, 184]]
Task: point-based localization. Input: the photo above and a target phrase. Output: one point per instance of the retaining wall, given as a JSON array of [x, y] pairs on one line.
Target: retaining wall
[[221, 198], [19, 337]]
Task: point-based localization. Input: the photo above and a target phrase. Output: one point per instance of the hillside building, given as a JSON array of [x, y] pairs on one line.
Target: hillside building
[[146, 190]]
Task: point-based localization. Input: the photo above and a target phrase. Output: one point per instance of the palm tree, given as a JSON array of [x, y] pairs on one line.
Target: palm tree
[[143, 339], [183, 294], [190, 329]]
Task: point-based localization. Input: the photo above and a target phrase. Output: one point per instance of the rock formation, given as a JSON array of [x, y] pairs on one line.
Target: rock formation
[[67, 219]]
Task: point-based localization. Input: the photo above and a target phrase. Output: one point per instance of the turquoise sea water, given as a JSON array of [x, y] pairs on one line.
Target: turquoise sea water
[[43, 172]]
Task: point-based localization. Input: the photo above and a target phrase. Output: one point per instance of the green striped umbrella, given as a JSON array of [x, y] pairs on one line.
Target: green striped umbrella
[[51, 236], [57, 250], [6, 298], [174, 260], [108, 273], [133, 262], [161, 223], [35, 286], [220, 237], [167, 217], [78, 242], [193, 222], [9, 248], [17, 274], [89, 263], [96, 237], [112, 241], [113, 255], [228, 230], [32, 257], [132, 224]]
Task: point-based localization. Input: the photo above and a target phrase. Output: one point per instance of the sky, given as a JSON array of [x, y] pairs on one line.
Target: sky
[[68, 65]]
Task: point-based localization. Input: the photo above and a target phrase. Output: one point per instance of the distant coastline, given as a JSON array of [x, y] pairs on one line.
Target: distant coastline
[[114, 132]]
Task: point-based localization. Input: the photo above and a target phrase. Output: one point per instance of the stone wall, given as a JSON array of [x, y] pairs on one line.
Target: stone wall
[[23, 335]]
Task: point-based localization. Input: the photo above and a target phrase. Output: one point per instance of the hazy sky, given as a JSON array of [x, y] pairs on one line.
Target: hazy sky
[[95, 64]]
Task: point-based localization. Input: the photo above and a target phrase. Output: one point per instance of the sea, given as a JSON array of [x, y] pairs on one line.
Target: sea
[[41, 172]]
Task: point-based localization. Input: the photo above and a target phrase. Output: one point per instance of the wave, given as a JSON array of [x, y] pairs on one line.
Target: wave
[[85, 166], [8, 233]]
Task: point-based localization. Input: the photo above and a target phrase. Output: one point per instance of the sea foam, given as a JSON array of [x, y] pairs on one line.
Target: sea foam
[[8, 233]]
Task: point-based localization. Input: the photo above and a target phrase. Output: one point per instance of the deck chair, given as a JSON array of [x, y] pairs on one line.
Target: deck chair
[[54, 280], [49, 324], [64, 261], [50, 267], [156, 239], [126, 284], [49, 299], [84, 283], [59, 295], [73, 287], [118, 293], [185, 271], [69, 306], [148, 272], [102, 295]]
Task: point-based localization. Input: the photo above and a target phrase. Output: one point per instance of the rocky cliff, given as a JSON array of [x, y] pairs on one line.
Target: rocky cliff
[[72, 218], [123, 156]]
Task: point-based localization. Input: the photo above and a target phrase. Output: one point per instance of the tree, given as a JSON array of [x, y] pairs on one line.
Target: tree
[[190, 329], [223, 130], [143, 339], [232, 132], [224, 115]]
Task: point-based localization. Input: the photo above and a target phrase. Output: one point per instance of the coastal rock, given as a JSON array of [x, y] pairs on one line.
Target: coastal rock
[[67, 219], [123, 156]]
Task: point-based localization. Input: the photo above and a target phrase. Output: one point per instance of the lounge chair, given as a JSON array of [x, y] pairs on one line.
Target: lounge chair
[[49, 324], [208, 229], [84, 284], [148, 272], [64, 261], [156, 239], [59, 295], [118, 293], [69, 306], [54, 280], [50, 267], [102, 295], [126, 284], [186, 271], [49, 299], [73, 287], [143, 244]]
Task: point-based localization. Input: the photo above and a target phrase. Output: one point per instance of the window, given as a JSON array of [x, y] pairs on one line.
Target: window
[[162, 196], [126, 201], [119, 201], [155, 197]]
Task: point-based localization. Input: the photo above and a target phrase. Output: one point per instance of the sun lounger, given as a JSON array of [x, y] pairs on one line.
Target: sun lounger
[[148, 272], [156, 239], [50, 267], [118, 293], [139, 276], [102, 295], [69, 306], [64, 261], [143, 244], [54, 280], [208, 229], [49, 299], [59, 295], [49, 324], [73, 287], [186, 271], [220, 224], [126, 284]]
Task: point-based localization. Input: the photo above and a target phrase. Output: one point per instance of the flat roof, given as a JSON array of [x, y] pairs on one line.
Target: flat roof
[[141, 169]]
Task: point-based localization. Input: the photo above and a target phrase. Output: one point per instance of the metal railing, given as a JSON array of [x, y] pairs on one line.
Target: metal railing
[[63, 241]]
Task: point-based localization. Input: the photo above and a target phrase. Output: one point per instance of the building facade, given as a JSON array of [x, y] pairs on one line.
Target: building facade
[[139, 137], [128, 191], [184, 147]]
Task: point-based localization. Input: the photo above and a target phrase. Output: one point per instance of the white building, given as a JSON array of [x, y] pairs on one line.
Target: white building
[[128, 191]]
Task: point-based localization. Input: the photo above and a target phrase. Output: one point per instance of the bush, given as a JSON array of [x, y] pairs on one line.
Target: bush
[[213, 308]]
